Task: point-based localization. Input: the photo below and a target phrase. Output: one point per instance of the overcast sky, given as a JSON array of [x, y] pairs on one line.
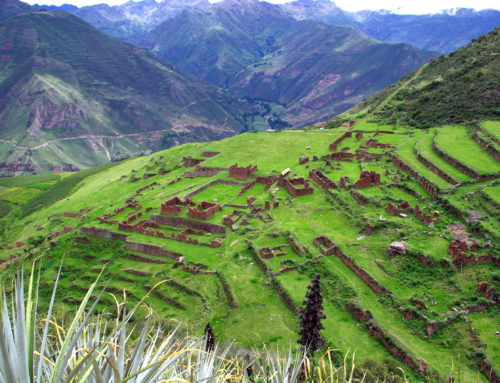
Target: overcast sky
[[397, 6]]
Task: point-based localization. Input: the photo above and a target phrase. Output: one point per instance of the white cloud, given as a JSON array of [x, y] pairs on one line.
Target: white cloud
[[397, 6]]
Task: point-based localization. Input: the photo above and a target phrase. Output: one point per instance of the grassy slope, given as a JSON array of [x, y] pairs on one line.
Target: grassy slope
[[261, 317], [454, 88]]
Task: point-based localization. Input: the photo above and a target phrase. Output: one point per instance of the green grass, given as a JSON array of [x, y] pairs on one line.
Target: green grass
[[28, 180], [492, 127], [407, 153], [424, 146], [493, 192], [456, 142]]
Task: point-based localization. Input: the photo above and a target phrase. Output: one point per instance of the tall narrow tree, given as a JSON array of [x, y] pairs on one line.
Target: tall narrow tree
[[311, 316], [209, 338]]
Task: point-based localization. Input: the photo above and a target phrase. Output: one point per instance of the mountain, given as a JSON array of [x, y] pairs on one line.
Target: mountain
[[11, 8], [258, 51], [444, 32], [454, 88], [72, 97], [132, 20]]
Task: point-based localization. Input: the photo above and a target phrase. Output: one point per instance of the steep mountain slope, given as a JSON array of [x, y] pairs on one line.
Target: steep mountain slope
[[11, 8], [216, 43], [444, 32], [257, 51], [70, 96], [320, 71], [458, 87], [132, 20]]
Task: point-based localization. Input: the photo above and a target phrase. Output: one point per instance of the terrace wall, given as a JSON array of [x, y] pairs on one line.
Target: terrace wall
[[181, 222]]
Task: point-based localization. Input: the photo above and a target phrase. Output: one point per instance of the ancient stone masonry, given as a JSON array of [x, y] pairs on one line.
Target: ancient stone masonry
[[373, 143], [325, 245], [457, 249], [339, 156], [322, 180], [205, 171], [190, 162], [205, 210], [367, 179], [209, 154], [488, 291], [487, 369], [486, 145], [138, 191], [388, 341], [174, 206], [359, 198], [102, 233], [334, 144], [181, 222], [296, 186], [155, 250], [303, 160], [417, 365], [270, 252], [434, 168], [432, 189], [242, 173], [105, 218]]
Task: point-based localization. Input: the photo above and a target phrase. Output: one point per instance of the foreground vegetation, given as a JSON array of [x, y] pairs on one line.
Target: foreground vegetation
[[91, 347]]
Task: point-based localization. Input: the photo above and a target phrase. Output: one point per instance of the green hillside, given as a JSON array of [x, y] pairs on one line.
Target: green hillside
[[72, 97], [454, 88], [431, 299]]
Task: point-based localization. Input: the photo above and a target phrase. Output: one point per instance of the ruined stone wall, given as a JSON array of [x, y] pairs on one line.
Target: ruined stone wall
[[367, 179], [487, 146], [181, 222], [204, 187], [432, 189], [243, 173], [147, 248], [102, 233], [334, 144], [322, 180], [434, 168]]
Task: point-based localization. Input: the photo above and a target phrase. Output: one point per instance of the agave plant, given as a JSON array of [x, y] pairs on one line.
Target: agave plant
[[91, 348]]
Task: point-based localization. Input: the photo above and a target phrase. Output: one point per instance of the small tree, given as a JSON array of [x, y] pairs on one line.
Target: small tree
[[310, 318], [209, 338]]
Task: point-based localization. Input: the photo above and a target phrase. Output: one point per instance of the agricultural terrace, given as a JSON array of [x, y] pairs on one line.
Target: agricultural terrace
[[231, 233]]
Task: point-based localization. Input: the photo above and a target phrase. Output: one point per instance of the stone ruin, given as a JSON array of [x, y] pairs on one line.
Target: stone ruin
[[270, 252], [322, 180], [209, 154], [373, 143], [403, 208], [334, 144], [189, 162], [242, 173], [339, 156], [205, 210], [296, 186], [367, 179], [303, 160], [325, 245], [205, 171], [175, 205]]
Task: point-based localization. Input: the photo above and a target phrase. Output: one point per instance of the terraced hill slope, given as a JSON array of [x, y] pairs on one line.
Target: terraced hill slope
[[402, 224], [461, 86], [72, 97]]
